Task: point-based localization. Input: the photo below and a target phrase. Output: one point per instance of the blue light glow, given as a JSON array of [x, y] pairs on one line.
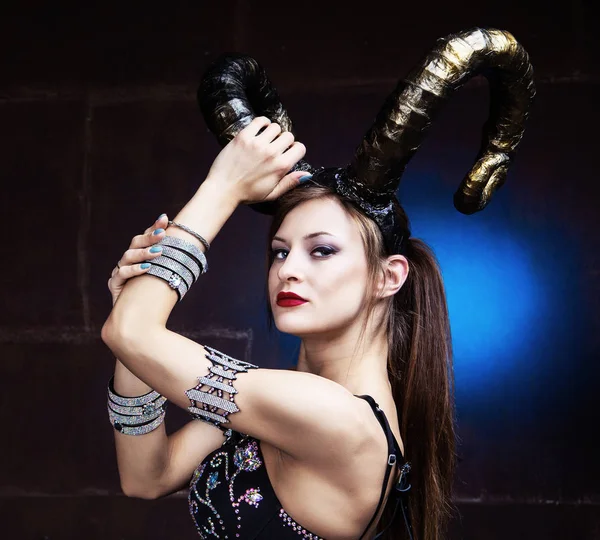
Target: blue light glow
[[496, 285]]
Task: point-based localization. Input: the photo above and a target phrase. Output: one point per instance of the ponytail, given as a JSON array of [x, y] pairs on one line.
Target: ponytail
[[421, 375]]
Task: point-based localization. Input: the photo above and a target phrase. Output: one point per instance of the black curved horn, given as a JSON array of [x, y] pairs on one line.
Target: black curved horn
[[233, 91]]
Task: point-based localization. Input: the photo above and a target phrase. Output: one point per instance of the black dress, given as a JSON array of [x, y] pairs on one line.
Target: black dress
[[231, 496]]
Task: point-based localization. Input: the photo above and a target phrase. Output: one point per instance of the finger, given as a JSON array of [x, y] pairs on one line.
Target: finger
[[283, 142], [136, 256], [254, 127], [127, 272], [162, 221], [270, 133], [153, 236], [289, 181], [293, 155]]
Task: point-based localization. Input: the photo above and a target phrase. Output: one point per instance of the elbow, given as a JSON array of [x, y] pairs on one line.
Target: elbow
[[107, 333], [140, 492], [116, 335], [118, 331], [113, 337]]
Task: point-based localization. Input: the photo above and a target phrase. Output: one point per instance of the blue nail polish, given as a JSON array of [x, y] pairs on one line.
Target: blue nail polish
[[157, 232], [305, 178], [162, 215], [145, 265], [155, 249]]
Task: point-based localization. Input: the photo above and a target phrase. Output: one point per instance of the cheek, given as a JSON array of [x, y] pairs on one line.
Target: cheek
[[346, 285], [271, 281]]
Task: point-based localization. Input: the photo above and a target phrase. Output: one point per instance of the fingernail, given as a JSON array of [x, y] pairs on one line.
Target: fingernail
[[158, 231], [161, 216], [155, 249], [305, 178], [145, 265]]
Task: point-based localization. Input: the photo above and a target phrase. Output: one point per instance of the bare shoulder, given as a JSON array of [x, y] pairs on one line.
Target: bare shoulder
[[309, 417], [336, 496]]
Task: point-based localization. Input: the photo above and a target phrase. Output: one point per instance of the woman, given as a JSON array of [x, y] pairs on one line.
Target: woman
[[367, 301]]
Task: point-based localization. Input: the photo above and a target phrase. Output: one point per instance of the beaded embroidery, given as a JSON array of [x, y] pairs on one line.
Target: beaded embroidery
[[246, 458], [289, 522], [206, 405]]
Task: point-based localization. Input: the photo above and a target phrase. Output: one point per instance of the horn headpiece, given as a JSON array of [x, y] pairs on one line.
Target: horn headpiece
[[235, 89]]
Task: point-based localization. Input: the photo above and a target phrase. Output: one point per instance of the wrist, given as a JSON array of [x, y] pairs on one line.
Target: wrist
[[206, 212], [217, 188]]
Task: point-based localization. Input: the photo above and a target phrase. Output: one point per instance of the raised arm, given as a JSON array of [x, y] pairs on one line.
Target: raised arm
[[153, 464], [272, 405]]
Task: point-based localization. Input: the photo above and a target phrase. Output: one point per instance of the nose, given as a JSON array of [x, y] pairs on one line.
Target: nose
[[290, 269]]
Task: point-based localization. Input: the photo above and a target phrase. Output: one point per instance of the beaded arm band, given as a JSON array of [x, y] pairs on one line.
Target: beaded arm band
[[135, 415], [210, 406]]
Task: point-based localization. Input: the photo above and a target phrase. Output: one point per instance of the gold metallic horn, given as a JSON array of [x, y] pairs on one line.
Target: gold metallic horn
[[401, 124]]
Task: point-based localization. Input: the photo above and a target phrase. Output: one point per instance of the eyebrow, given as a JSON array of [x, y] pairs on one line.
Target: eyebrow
[[311, 235]]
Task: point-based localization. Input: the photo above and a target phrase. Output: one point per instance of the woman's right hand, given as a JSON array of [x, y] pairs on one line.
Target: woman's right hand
[[139, 251]]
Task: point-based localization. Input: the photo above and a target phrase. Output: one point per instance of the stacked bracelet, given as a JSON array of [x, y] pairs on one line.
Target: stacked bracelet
[[174, 280], [193, 233], [135, 415], [189, 249], [180, 264]]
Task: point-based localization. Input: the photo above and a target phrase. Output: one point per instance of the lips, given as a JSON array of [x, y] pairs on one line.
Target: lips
[[289, 299]]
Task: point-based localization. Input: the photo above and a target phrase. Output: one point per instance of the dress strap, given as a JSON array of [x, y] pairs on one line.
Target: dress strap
[[394, 457]]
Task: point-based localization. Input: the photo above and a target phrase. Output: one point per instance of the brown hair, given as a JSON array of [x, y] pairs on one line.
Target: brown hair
[[419, 368]]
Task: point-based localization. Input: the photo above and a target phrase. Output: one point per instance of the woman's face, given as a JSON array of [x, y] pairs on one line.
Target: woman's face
[[318, 254]]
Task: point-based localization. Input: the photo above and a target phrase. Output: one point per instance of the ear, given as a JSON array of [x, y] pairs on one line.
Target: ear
[[393, 275]]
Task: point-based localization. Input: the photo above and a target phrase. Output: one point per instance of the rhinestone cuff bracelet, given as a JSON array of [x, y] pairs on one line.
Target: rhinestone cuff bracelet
[[140, 429], [188, 248], [183, 258], [137, 411], [135, 415], [210, 406], [172, 278], [176, 267], [133, 421], [130, 401]]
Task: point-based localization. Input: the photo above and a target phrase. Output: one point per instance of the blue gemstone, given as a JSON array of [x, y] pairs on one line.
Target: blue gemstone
[[212, 480]]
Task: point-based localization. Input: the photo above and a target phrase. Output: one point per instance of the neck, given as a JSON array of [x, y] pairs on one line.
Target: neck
[[361, 368]]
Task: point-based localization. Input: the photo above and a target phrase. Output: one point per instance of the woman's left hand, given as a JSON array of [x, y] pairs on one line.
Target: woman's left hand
[[253, 165], [130, 263]]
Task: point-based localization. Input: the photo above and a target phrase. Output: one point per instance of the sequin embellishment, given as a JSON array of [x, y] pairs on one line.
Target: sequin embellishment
[[301, 531], [246, 459]]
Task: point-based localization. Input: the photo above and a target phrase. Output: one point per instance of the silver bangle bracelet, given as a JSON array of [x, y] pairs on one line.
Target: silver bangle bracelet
[[147, 408], [172, 278], [140, 430], [181, 257], [136, 415], [137, 401], [173, 265], [133, 421], [188, 248], [193, 233]]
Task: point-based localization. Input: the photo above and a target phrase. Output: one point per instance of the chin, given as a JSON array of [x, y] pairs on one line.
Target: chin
[[287, 326]]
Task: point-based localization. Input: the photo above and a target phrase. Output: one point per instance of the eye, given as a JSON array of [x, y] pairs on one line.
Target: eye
[[276, 252], [325, 251]]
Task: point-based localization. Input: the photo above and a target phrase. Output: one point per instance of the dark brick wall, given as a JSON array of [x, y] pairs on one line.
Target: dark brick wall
[[100, 133]]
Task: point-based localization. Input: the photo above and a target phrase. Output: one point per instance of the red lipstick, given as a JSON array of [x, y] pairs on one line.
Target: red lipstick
[[289, 299]]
